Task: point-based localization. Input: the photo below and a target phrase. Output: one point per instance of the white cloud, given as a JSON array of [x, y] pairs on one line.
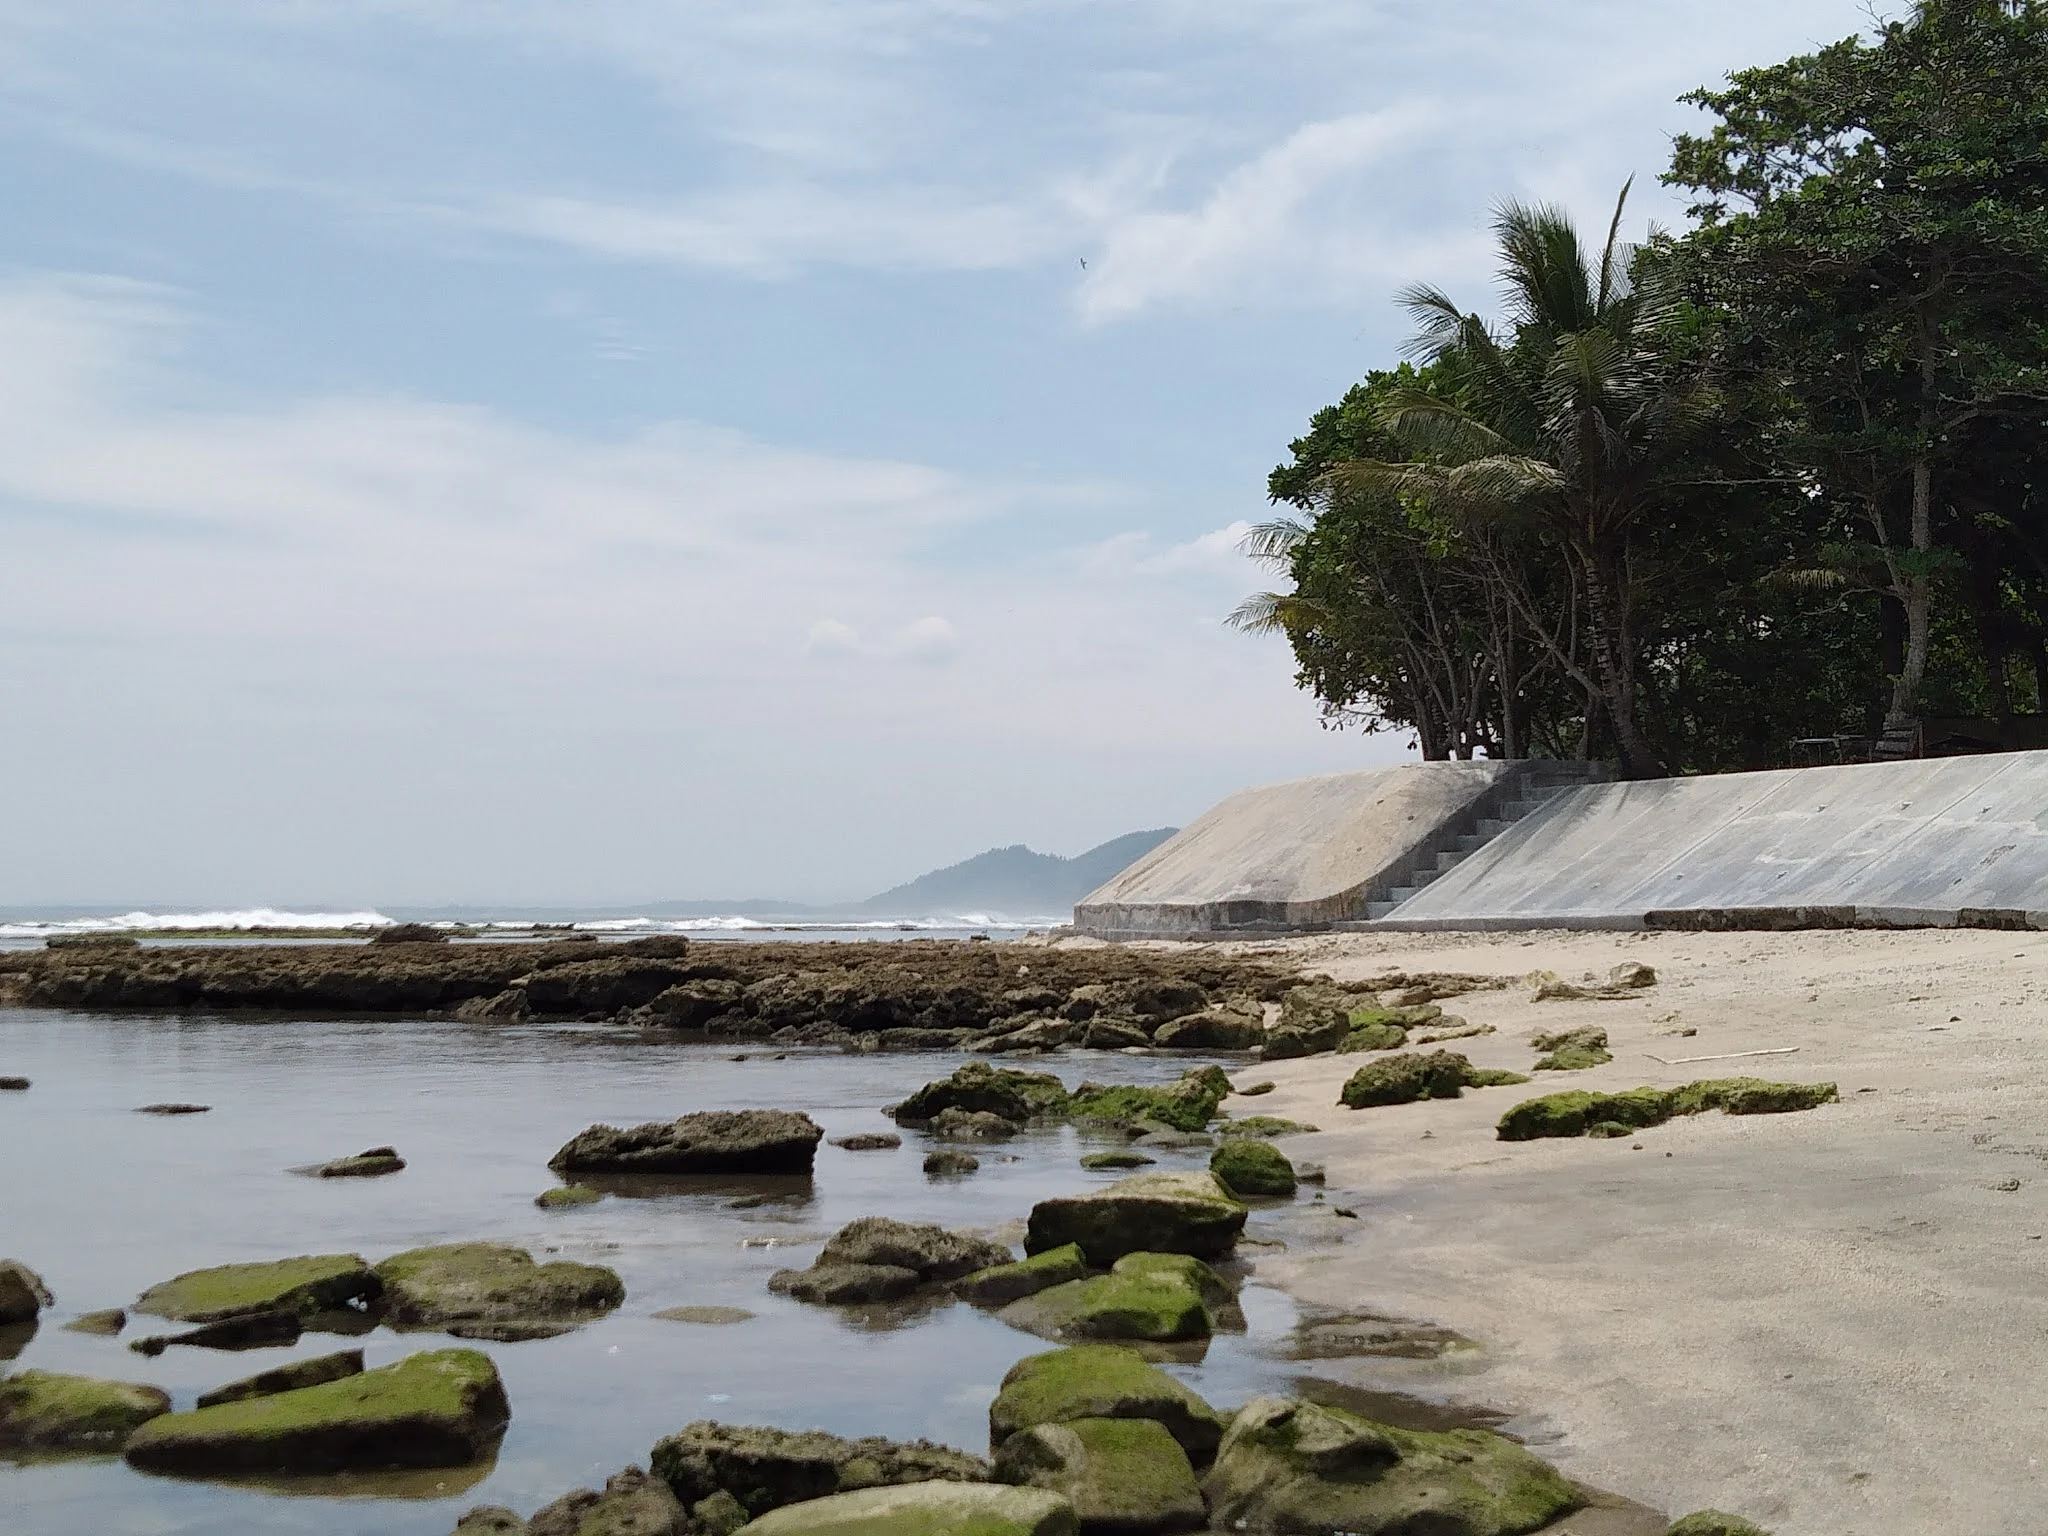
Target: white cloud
[[929, 641]]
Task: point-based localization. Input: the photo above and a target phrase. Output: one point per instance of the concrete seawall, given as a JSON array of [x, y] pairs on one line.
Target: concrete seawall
[[1951, 842]]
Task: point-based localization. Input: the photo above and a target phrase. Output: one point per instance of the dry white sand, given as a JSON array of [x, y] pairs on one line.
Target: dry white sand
[[1833, 1322]]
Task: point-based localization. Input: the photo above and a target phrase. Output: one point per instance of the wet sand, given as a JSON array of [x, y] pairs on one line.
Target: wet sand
[[1833, 1322]]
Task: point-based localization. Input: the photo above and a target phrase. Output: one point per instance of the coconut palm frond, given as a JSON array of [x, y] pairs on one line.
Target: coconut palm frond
[[1274, 542], [1275, 613]]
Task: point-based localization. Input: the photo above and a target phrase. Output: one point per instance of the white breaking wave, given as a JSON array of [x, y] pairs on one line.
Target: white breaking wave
[[186, 922]]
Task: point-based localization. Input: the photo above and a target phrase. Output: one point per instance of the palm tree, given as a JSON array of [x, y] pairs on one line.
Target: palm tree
[[1571, 417]]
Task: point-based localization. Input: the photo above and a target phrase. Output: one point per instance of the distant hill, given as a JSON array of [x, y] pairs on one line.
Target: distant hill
[[1015, 881]]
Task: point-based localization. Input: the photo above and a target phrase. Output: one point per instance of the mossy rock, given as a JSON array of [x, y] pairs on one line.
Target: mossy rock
[[1373, 1037], [1121, 1475], [1248, 1167], [1264, 1127], [844, 1285], [372, 1163], [489, 1283], [22, 1293], [631, 1504], [1016, 1096], [1313, 1019], [1215, 1029], [1287, 1467], [442, 1408], [565, 1196], [1573, 1050], [1005, 1283], [1576, 1112], [1217, 1293], [926, 1509], [1153, 1307], [1188, 1104], [1101, 1381], [932, 1251], [1712, 1522], [749, 1470], [50, 1412], [1096, 1162], [288, 1378], [1146, 1213], [1407, 1079], [318, 1283]]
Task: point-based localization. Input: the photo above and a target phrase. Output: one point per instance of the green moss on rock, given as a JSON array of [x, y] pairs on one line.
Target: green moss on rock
[[1188, 1104], [1096, 1162], [1712, 1522], [563, 1196], [1248, 1167], [1004, 1283], [1154, 1307], [1146, 1213], [1287, 1466], [1121, 1475], [1216, 1292], [755, 1469], [1015, 1096], [48, 1411], [1573, 1050], [442, 1408], [317, 1283], [462, 1283], [1265, 1127], [1406, 1079], [287, 1378], [1577, 1112], [926, 1509], [1101, 1381]]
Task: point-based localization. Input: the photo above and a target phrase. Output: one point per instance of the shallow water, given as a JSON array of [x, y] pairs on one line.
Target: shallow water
[[104, 1202]]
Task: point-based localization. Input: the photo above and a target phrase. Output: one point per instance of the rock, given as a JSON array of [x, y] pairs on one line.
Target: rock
[[1572, 1050], [926, 1509], [1409, 1078], [1310, 1173], [1150, 1307], [249, 1330], [1254, 1090], [957, 1124], [632, 1504], [714, 1316], [22, 1293], [463, 1284], [845, 1284], [719, 1141], [1576, 1112], [1296, 1468], [1188, 1104], [1169, 1140], [931, 1251], [442, 1408], [1215, 1291], [174, 1109], [1313, 1019], [489, 1520], [319, 1283], [1101, 1381], [106, 941], [1036, 1035], [758, 1469], [1125, 1159], [45, 1411], [1632, 975], [1018, 1097], [657, 946], [1263, 1127], [14, 1085], [409, 933], [566, 1195], [1246, 1167], [374, 1163], [512, 1003], [1121, 1475], [105, 1325], [288, 1378], [947, 1161], [1378, 1035], [1454, 1028], [1712, 1522], [869, 1141], [1114, 1035], [1001, 1284], [1146, 1213], [1214, 1029]]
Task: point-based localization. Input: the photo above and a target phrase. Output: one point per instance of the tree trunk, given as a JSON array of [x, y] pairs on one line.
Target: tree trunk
[[1614, 662], [1917, 598]]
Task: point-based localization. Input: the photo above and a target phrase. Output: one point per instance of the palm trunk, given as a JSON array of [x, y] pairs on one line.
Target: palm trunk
[[1917, 591], [1614, 663]]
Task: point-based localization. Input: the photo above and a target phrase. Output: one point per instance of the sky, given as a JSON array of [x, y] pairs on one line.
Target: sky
[[602, 451]]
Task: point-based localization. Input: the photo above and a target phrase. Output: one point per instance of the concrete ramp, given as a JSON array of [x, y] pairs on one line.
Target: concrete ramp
[[1303, 854], [1937, 843]]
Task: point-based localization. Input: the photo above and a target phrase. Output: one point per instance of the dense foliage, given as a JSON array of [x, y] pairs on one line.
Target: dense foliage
[[1771, 479]]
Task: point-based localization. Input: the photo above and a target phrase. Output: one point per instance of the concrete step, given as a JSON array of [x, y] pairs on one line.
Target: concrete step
[[1449, 859], [1379, 908], [1472, 842]]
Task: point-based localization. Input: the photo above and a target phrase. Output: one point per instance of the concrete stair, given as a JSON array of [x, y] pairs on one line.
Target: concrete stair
[[1531, 793]]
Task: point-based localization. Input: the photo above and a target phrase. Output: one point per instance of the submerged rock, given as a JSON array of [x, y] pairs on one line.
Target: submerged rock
[[950, 1160], [1146, 1213], [174, 1109], [317, 1283], [868, 1141], [106, 1324], [1101, 1381], [459, 1284], [14, 1085], [22, 1293], [840, 1285], [632, 1504], [955, 1124], [746, 1471], [46, 1411], [251, 1330], [1096, 1161], [710, 1142], [1016, 1096], [371, 1164], [926, 1509], [565, 1196], [287, 1378], [1121, 1475], [1296, 1468], [442, 1408], [1247, 1167], [714, 1316], [1580, 1113], [1001, 1284]]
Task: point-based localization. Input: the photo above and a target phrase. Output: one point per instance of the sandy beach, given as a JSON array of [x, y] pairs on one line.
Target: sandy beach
[[1832, 1322]]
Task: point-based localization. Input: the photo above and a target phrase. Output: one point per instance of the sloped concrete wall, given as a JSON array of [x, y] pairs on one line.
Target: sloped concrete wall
[[1297, 855], [1943, 842]]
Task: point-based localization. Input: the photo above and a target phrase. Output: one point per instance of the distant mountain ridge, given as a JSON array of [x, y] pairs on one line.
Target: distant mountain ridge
[[1015, 881]]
